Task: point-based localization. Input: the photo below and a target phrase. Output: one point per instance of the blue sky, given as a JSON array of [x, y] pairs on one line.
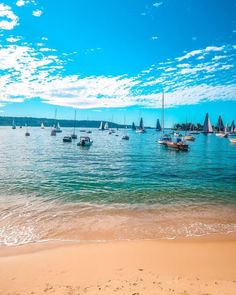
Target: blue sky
[[111, 59]]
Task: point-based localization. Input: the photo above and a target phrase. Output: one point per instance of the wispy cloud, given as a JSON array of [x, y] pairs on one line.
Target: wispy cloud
[[8, 20], [154, 37], [157, 4], [40, 72], [37, 12], [25, 2]]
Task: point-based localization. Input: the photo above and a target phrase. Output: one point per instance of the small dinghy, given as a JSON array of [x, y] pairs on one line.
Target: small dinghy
[[189, 138], [85, 141], [53, 131], [222, 135], [232, 140], [27, 131], [67, 139], [125, 137]]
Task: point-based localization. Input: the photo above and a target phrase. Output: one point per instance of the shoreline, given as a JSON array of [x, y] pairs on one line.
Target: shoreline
[[188, 267]]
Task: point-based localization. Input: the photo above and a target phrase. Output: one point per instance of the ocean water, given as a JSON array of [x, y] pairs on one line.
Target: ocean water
[[114, 190]]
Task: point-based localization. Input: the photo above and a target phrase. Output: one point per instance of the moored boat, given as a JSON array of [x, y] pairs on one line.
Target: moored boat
[[13, 125], [179, 145], [85, 141], [67, 139], [207, 127], [74, 135], [232, 140], [189, 138], [221, 134], [125, 137], [27, 131]]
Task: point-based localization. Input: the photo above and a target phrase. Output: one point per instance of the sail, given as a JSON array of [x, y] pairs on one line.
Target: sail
[[226, 128], [133, 126], [141, 126], [58, 126], [220, 124], [207, 128], [101, 126], [232, 128], [106, 126], [158, 125], [42, 125]]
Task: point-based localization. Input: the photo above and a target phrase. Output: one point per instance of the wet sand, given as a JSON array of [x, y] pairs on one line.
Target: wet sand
[[186, 267]]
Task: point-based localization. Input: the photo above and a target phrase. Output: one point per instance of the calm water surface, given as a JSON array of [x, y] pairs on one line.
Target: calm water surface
[[115, 189]]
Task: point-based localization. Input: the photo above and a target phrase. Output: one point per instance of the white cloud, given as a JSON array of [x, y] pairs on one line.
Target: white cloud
[[154, 37], [37, 12], [13, 39], [200, 52], [8, 20], [157, 4], [20, 3], [37, 72]]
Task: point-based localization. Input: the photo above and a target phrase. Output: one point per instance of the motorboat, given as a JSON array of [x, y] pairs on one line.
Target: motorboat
[[85, 141], [179, 145], [67, 139], [189, 138], [125, 137]]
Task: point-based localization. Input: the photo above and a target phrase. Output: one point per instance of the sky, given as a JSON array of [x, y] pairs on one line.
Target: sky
[[111, 60]]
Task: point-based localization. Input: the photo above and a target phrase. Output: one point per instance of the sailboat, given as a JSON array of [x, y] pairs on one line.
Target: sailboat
[[220, 128], [13, 125], [188, 136], [232, 128], [101, 127], [192, 131], [141, 128], [158, 125], [57, 127], [73, 135], [207, 128], [106, 127], [42, 126], [126, 136], [165, 137]]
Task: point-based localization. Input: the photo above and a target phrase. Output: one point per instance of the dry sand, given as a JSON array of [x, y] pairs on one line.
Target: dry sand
[[143, 267]]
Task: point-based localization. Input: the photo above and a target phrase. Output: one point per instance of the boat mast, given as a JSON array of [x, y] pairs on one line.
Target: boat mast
[[74, 121], [163, 114]]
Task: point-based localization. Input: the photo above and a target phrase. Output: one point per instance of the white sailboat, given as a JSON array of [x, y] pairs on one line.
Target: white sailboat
[[73, 135], [106, 127], [42, 126], [207, 127], [101, 127], [141, 128], [125, 136], [165, 137]]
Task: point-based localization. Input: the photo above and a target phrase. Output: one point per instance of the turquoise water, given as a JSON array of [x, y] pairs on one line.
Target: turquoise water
[[114, 183]]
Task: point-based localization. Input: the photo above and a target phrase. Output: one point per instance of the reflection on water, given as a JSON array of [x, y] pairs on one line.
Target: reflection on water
[[115, 189]]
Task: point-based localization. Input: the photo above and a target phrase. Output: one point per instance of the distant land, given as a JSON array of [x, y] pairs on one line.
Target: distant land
[[36, 122]]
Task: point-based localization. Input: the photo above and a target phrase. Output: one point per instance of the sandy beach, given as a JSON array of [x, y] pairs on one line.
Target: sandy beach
[[184, 267]]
